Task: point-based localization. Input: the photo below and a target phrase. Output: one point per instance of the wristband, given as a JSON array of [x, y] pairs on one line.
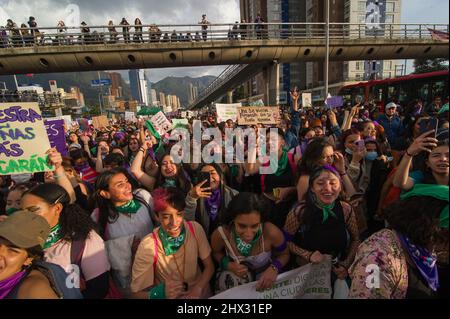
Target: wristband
[[142, 150], [157, 292], [224, 262], [409, 154]]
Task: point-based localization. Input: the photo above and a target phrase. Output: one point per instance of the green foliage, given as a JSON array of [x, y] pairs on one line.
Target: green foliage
[[430, 65]]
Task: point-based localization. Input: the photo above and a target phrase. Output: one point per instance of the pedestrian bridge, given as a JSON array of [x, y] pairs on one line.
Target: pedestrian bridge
[[112, 48]]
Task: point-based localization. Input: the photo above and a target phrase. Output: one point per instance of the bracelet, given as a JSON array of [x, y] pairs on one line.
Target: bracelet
[[224, 262], [157, 292], [409, 154], [142, 150], [309, 257], [276, 265]]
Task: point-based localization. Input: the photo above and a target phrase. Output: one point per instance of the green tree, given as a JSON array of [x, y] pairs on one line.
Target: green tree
[[430, 65]]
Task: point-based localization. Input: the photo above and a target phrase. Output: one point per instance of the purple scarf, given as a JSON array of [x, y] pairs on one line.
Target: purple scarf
[[424, 261], [8, 284], [213, 204]]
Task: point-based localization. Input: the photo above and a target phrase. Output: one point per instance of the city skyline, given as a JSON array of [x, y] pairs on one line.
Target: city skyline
[[49, 12]]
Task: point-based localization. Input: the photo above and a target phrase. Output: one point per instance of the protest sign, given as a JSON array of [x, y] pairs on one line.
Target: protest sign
[[312, 281], [24, 139], [56, 136], [130, 116], [334, 101], [250, 115], [227, 112], [161, 124], [100, 121], [256, 103], [180, 122], [184, 114], [84, 124], [306, 100]]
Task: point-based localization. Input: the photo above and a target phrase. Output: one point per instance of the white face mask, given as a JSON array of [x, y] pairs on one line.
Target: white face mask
[[21, 178]]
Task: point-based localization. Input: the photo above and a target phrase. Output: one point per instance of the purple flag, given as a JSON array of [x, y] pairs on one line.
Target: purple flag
[[55, 131]]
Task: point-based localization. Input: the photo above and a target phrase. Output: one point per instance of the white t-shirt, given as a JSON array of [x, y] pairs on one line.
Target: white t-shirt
[[94, 260]]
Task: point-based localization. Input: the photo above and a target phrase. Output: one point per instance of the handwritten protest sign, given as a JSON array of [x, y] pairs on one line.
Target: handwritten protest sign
[[130, 116], [311, 281], [100, 121], [55, 131], [334, 101], [227, 112], [161, 124], [306, 100], [250, 115], [23, 139]]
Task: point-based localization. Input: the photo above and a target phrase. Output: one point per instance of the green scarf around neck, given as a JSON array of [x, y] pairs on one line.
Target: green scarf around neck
[[54, 236], [436, 191], [171, 244], [282, 163], [327, 210], [129, 208], [243, 247]]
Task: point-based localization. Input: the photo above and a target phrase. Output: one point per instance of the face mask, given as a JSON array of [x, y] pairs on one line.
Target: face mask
[[80, 167], [371, 156], [348, 151], [21, 178]]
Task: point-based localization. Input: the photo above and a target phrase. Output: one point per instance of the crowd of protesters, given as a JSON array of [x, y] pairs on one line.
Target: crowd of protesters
[[366, 185]]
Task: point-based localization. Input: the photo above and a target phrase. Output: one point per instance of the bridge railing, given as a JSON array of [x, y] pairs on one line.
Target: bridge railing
[[135, 34]]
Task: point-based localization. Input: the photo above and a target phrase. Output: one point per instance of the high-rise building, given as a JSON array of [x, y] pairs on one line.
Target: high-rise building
[[116, 84], [154, 97], [192, 93], [162, 99], [139, 86], [53, 86], [174, 103]]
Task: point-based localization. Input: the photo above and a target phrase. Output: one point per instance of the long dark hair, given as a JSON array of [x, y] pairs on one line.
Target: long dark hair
[[107, 211], [181, 179], [244, 203], [418, 219], [428, 174], [75, 223], [313, 153]]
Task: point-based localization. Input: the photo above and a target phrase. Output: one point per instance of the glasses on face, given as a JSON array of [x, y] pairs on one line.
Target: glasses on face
[[329, 158]]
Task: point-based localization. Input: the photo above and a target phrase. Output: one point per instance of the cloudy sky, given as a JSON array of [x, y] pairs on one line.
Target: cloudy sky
[[99, 12]]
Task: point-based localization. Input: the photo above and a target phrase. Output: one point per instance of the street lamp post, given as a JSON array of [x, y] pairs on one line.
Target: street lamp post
[[327, 55], [4, 85]]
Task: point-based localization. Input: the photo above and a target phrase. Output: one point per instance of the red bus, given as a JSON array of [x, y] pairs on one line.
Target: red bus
[[402, 89]]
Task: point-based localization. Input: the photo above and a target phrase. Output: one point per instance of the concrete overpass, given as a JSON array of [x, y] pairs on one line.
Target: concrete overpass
[[68, 50]]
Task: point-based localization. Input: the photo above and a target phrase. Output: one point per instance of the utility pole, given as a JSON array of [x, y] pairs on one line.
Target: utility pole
[[327, 55]]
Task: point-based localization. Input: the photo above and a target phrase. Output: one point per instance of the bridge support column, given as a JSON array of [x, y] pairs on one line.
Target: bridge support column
[[230, 97], [272, 81]]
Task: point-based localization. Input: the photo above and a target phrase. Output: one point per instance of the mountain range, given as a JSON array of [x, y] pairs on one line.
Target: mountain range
[[178, 86]]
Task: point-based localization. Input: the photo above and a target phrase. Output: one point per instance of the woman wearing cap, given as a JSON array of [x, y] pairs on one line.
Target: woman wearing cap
[[247, 243], [166, 265], [71, 230], [22, 236], [402, 258], [323, 224], [206, 205]]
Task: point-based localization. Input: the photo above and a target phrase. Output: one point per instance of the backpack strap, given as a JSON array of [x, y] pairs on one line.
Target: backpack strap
[[191, 229], [76, 253], [227, 243], [155, 255]]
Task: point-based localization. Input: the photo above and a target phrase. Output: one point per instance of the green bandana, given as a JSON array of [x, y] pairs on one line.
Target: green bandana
[[152, 131], [282, 163], [53, 237], [436, 191], [170, 244], [170, 183], [327, 210], [243, 247], [11, 211], [129, 208]]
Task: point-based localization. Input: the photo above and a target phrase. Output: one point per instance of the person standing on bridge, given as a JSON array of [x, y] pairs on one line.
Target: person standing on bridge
[[112, 32], [258, 27], [125, 30], [204, 24], [138, 31]]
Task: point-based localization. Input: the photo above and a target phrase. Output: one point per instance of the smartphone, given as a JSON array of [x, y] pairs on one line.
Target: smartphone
[[204, 176], [430, 124], [360, 145]]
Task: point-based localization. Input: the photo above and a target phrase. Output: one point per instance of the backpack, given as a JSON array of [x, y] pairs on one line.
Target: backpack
[[76, 255], [57, 278]]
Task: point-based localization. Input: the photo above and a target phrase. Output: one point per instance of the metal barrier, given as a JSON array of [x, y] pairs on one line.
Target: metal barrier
[[134, 34]]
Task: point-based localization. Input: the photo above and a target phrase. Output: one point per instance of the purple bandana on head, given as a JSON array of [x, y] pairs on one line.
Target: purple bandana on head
[[332, 169]]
